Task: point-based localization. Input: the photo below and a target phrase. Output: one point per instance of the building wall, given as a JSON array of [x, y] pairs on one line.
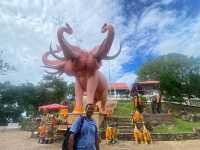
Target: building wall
[[118, 94]]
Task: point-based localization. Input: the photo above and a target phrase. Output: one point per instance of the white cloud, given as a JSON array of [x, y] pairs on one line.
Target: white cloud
[[155, 18], [27, 27], [128, 78], [164, 31], [166, 2], [184, 38]]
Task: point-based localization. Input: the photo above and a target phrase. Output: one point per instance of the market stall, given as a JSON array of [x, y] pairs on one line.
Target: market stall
[[53, 122]]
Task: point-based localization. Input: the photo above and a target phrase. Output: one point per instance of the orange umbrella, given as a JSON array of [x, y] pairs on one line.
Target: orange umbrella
[[53, 107]]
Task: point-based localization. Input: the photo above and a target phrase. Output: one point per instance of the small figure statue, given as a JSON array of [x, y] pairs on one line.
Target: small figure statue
[[138, 103], [137, 117], [137, 135], [49, 137], [153, 103], [108, 134], [42, 133], [115, 132], [158, 103], [63, 113], [146, 135]]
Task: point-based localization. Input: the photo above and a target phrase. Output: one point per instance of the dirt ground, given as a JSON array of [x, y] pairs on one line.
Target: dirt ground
[[20, 140]]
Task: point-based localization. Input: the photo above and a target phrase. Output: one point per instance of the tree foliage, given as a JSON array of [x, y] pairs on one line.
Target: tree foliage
[[10, 109], [55, 87], [178, 74], [177, 64], [16, 99]]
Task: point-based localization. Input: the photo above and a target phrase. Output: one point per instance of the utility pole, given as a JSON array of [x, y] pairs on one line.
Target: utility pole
[[109, 77]]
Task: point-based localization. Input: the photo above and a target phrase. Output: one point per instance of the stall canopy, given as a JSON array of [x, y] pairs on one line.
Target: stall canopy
[[53, 107]]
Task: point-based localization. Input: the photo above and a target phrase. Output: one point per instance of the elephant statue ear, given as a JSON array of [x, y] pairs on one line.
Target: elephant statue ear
[[105, 46]]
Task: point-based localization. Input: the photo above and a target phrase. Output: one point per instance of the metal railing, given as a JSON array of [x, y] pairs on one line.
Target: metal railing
[[119, 97]]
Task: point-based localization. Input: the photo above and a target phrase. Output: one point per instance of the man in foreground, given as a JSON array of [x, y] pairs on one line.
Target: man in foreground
[[84, 133]]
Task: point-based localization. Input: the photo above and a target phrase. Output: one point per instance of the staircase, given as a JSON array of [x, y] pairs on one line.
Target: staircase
[[125, 128], [124, 125]]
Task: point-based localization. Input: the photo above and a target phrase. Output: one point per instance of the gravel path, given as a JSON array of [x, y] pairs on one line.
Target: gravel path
[[20, 140]]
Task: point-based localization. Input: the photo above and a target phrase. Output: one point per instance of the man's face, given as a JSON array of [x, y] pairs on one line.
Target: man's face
[[90, 110]]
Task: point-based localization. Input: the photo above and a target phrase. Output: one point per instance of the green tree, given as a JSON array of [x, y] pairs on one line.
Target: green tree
[[10, 110], [71, 89], [193, 85], [176, 64], [171, 86], [30, 97], [178, 75], [16, 99], [56, 88]]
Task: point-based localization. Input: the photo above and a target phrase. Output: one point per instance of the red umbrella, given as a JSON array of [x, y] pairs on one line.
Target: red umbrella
[[53, 107]]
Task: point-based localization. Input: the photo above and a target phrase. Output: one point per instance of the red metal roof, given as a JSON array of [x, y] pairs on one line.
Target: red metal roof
[[119, 86], [149, 82]]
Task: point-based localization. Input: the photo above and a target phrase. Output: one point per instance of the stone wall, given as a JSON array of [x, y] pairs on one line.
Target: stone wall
[[160, 136], [178, 107], [191, 117], [163, 118], [174, 107], [174, 137]]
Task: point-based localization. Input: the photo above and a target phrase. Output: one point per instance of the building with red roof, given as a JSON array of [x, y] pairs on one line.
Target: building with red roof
[[145, 87], [119, 86], [118, 91]]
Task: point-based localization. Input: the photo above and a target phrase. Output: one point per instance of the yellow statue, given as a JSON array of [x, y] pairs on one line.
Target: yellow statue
[[137, 116], [146, 135], [137, 135], [109, 133], [63, 113]]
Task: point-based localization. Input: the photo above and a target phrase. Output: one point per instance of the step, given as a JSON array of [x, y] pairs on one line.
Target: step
[[120, 119], [125, 124], [125, 136], [124, 127], [125, 131], [129, 120]]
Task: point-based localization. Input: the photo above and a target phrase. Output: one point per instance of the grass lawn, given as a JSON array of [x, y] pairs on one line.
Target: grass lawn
[[179, 126], [123, 109]]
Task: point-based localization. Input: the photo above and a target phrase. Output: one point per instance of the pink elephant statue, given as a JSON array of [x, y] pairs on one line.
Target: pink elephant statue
[[83, 65]]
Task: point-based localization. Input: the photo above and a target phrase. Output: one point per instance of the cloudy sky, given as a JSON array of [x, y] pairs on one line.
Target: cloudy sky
[[146, 28]]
